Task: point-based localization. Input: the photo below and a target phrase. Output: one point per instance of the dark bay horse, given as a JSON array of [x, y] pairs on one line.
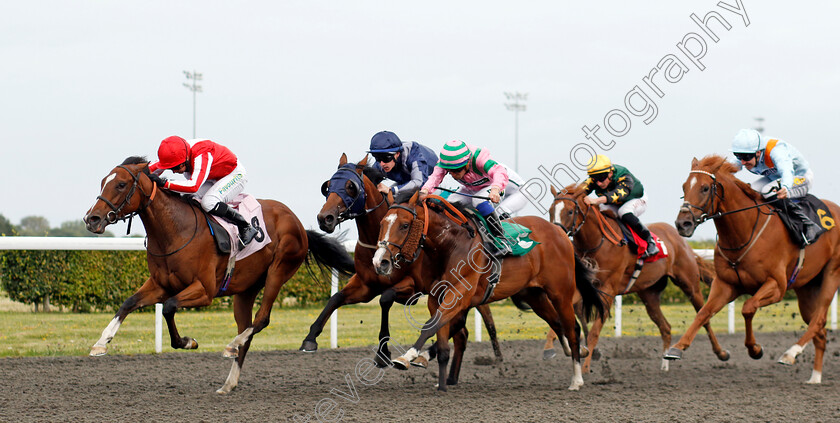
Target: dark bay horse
[[185, 268], [755, 256], [616, 264], [550, 278], [366, 284]]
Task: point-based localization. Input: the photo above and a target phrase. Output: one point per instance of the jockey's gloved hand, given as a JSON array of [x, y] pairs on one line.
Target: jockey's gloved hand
[[161, 182]]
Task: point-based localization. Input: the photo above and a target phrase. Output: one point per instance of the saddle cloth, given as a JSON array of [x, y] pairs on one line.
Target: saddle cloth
[[815, 209], [250, 209], [635, 241], [516, 236]]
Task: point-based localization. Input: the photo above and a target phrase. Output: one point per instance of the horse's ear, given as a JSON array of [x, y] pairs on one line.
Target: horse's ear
[[694, 162], [343, 160], [553, 191], [414, 198], [363, 162]]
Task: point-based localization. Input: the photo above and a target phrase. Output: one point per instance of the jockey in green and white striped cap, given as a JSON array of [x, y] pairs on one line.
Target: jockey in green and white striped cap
[[454, 154]]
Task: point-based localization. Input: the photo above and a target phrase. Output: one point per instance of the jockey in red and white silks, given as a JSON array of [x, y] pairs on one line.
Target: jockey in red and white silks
[[214, 177]]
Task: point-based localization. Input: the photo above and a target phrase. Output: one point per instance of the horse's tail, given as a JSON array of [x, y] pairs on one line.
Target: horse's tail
[[328, 251], [707, 269], [593, 299]]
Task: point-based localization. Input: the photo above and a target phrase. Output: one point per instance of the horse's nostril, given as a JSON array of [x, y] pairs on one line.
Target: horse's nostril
[[329, 219]]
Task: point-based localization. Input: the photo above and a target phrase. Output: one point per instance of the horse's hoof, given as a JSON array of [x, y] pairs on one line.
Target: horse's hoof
[[309, 346], [441, 388], [98, 351], [421, 362], [756, 355], [224, 390], [787, 360], [190, 344], [381, 362], [584, 352], [673, 354], [230, 352], [400, 363], [549, 354], [724, 355], [596, 354]]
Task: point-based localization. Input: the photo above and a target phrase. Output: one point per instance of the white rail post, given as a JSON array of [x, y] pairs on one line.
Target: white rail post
[[158, 327], [618, 316], [834, 312], [334, 315], [477, 325], [732, 317]]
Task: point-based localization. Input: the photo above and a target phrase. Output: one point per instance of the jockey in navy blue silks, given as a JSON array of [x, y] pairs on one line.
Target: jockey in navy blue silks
[[408, 164]]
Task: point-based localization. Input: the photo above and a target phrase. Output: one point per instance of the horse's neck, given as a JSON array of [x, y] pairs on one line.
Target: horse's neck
[[736, 229], [368, 225], [591, 235], [446, 240], [168, 219]]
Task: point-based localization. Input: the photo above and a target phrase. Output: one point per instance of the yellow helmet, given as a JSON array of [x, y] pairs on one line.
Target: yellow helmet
[[599, 164]]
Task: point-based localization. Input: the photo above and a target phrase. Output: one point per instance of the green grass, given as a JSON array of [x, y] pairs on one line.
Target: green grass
[[60, 334]]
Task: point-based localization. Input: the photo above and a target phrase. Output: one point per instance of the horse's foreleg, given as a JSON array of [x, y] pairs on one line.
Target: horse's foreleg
[[440, 317], [768, 293], [720, 294], [487, 316], [548, 348], [354, 292], [194, 295], [443, 355], [692, 291], [148, 294], [460, 335], [559, 313]]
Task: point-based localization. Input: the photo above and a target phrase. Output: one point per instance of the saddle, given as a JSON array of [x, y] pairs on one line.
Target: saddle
[[814, 209]]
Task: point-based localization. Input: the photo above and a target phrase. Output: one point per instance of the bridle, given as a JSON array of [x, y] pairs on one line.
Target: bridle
[[409, 249], [601, 220], [351, 203], [114, 215], [578, 212]]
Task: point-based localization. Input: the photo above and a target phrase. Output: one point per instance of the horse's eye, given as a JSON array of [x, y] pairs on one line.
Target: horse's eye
[[121, 185], [705, 188], [404, 226]]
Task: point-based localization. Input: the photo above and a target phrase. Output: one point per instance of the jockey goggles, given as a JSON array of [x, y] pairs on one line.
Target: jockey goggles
[[744, 156], [598, 177], [383, 157]]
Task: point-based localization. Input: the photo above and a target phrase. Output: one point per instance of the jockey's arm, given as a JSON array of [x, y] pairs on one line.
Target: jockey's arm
[[201, 170]]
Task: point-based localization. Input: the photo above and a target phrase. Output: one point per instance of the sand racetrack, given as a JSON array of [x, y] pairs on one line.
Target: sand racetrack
[[625, 385]]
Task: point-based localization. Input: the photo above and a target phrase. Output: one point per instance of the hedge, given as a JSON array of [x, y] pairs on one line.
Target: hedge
[[85, 281]]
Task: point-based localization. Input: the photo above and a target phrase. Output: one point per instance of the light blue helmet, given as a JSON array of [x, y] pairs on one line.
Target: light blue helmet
[[746, 141]]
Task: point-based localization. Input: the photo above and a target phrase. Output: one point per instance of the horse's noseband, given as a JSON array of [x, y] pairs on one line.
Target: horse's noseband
[[114, 215], [413, 242], [704, 213]]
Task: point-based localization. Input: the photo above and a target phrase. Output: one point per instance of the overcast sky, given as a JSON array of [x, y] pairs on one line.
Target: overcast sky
[[290, 85]]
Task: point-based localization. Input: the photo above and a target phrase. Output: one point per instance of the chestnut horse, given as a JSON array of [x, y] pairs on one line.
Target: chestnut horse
[[616, 263], [366, 284], [550, 278], [185, 268], [755, 256]]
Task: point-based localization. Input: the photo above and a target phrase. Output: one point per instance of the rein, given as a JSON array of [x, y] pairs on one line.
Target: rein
[[601, 223], [114, 215], [195, 232], [415, 239]]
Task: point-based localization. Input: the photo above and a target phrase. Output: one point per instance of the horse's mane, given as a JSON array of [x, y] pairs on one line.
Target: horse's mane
[[133, 160], [404, 195], [375, 175], [723, 169]]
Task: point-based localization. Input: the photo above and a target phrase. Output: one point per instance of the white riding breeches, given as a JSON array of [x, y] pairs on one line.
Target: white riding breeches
[[223, 190], [512, 199], [637, 206], [801, 185]]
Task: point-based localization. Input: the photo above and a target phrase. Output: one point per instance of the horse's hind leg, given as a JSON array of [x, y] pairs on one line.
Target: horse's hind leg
[[460, 335], [148, 294], [490, 324], [548, 348], [814, 299], [561, 317], [651, 299], [242, 308]]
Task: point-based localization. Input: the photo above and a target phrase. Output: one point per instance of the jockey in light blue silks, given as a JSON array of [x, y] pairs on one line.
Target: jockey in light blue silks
[[408, 164], [777, 162]]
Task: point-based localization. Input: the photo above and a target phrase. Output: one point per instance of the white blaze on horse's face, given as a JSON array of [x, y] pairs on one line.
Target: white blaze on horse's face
[[108, 179], [692, 182], [557, 209], [381, 251]]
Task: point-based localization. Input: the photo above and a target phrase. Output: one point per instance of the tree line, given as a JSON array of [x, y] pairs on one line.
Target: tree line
[[40, 226]]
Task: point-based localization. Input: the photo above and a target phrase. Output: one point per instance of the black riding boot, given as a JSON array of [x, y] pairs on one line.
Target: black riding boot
[[634, 223], [809, 228], [497, 232], [246, 231]]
